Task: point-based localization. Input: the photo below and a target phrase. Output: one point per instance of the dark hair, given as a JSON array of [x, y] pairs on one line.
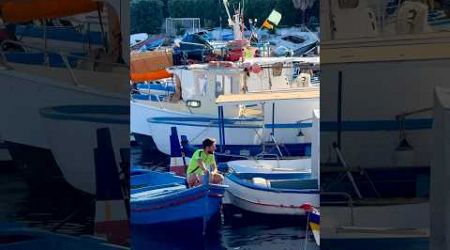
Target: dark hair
[[208, 142]]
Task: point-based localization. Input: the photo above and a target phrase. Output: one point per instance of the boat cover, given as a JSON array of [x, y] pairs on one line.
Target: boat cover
[[39, 9], [149, 66]]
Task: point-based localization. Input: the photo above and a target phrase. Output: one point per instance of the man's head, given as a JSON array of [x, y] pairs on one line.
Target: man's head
[[209, 145]]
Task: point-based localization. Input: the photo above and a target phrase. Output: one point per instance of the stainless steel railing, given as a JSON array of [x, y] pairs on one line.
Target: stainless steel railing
[[349, 202], [63, 55]]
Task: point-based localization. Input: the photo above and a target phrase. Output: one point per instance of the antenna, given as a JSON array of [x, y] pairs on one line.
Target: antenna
[[225, 3]]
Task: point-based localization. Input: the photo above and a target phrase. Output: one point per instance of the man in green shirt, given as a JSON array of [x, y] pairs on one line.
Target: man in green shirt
[[203, 162]]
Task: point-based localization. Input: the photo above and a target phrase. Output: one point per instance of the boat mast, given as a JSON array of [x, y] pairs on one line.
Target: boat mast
[[235, 21]]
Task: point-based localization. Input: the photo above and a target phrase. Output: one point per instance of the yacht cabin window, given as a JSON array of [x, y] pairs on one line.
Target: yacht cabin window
[[202, 85], [226, 85]]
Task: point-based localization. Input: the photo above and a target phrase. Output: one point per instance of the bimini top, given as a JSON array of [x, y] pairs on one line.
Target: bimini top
[[39, 9], [150, 66]]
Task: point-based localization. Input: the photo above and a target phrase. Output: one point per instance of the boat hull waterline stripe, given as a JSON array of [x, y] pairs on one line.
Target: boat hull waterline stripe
[[229, 123], [377, 125]]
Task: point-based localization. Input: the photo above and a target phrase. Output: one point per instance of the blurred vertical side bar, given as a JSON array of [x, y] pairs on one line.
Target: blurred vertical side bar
[[440, 173], [381, 62], [64, 81]]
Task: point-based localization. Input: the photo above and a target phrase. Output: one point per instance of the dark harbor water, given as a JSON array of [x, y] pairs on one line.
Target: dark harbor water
[[62, 209], [238, 230], [56, 207]]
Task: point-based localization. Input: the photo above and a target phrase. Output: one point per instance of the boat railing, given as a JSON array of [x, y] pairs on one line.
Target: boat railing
[[348, 201], [150, 95], [64, 56], [403, 115], [401, 118], [299, 122]]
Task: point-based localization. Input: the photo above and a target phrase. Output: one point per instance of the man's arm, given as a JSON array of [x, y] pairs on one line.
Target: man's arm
[[215, 169], [202, 165]]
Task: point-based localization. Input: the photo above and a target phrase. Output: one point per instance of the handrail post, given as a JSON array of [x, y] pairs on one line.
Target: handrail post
[[349, 202], [72, 75]]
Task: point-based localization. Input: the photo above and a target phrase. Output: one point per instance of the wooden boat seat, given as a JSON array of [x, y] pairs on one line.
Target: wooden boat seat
[[247, 112]]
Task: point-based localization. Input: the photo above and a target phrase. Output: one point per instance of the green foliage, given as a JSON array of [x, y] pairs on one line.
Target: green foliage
[[146, 16], [290, 14], [259, 9], [209, 11]]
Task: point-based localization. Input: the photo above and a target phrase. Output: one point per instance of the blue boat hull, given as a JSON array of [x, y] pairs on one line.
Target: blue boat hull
[[174, 202], [195, 203]]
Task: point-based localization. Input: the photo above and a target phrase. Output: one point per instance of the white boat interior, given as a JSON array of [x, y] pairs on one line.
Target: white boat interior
[[272, 166]]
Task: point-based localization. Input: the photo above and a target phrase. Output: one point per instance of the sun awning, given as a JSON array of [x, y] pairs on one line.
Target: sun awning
[[149, 66], [269, 96], [27, 10]]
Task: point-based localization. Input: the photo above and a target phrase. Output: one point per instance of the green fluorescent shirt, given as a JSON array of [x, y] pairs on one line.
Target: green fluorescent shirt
[[208, 161]]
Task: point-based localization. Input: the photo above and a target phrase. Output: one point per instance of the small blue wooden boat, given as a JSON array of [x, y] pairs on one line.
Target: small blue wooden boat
[[13, 237], [158, 197]]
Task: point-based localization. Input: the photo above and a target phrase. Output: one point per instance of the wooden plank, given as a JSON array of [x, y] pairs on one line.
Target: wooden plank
[[429, 46], [269, 96]]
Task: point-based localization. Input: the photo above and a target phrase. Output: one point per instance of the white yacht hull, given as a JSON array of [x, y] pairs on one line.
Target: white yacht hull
[[382, 79], [27, 93], [377, 216], [387, 226], [73, 137], [286, 127]]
